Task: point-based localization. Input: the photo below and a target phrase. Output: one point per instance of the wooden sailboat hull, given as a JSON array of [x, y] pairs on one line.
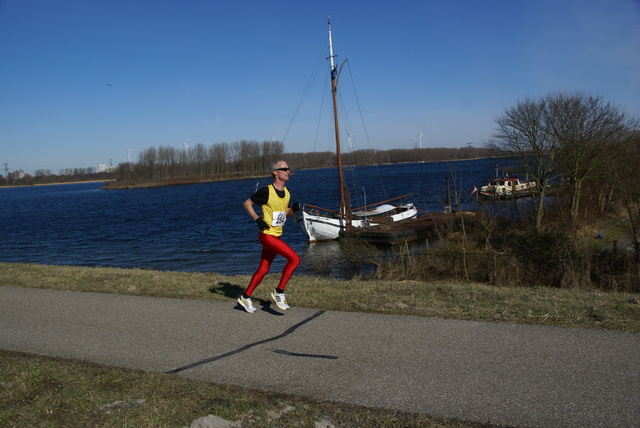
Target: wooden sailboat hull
[[420, 228], [319, 227]]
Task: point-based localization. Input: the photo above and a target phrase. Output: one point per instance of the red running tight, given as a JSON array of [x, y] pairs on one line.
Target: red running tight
[[271, 247]]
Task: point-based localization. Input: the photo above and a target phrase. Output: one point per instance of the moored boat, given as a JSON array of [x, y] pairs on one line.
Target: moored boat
[[322, 224], [507, 188], [328, 225]]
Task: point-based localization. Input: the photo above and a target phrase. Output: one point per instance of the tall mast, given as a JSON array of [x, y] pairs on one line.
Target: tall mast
[[334, 92]]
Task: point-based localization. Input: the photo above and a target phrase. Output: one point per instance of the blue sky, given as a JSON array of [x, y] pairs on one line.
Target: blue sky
[[211, 72]]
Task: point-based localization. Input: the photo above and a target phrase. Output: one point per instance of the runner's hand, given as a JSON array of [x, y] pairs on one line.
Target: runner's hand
[[262, 224], [296, 207]]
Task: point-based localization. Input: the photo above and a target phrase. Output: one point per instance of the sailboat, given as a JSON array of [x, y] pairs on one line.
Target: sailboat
[[322, 224]]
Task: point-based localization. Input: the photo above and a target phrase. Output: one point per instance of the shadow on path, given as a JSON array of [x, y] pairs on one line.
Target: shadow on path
[[246, 347]]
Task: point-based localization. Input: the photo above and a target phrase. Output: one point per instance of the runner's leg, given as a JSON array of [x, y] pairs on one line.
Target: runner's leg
[[263, 268], [293, 260], [272, 246]]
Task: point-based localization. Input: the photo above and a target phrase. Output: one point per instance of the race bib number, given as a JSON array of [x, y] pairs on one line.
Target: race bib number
[[279, 217]]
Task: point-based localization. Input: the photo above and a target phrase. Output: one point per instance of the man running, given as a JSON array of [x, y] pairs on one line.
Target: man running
[[274, 200]]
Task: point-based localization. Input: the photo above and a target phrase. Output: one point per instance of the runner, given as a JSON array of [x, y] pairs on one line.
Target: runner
[[274, 200]]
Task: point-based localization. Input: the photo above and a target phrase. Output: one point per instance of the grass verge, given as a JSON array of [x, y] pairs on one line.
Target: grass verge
[[47, 392], [465, 301]]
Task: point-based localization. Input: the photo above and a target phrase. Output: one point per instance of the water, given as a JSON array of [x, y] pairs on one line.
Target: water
[[201, 227]]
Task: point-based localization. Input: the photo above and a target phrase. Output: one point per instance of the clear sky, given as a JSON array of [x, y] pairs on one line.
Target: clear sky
[[83, 81]]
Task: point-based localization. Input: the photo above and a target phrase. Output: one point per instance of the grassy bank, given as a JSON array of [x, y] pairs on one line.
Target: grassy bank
[[37, 391], [44, 392], [466, 301]]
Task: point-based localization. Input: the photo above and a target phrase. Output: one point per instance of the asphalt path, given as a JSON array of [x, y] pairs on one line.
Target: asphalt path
[[506, 374]]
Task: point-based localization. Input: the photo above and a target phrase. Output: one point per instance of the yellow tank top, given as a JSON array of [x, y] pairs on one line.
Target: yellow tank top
[[274, 212]]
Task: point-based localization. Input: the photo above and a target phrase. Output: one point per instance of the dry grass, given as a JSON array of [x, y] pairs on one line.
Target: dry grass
[[46, 392], [467, 301]]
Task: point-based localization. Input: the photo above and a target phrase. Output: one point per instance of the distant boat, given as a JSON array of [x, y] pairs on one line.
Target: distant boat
[[321, 224], [508, 187]]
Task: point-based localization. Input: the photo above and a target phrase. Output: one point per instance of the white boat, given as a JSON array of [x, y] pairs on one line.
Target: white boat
[[507, 188], [325, 227], [321, 224]]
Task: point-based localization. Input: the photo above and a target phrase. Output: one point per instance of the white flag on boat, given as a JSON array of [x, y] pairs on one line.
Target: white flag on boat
[[475, 189]]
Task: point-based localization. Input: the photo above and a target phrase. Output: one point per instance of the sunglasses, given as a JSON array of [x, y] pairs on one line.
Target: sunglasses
[[281, 169]]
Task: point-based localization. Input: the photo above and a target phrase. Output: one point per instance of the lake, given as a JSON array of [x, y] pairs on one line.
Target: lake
[[203, 227]]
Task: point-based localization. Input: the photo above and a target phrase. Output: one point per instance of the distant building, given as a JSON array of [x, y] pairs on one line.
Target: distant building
[[16, 175], [103, 167]]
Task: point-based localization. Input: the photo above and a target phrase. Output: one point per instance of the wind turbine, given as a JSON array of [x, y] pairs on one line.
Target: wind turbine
[[185, 146], [129, 155], [349, 141], [420, 135]]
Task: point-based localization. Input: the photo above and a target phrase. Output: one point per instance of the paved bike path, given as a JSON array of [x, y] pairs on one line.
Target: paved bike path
[[508, 374]]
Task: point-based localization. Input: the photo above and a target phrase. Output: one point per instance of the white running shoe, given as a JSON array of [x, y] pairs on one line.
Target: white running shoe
[[280, 300], [246, 304]]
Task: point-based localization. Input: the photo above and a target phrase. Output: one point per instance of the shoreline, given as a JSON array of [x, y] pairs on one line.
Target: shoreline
[[59, 183], [115, 185], [200, 180]]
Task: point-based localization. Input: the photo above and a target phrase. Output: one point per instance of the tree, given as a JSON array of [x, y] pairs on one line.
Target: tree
[[561, 135], [167, 158], [522, 131], [587, 130], [271, 152], [629, 193], [149, 159], [199, 155], [219, 157]]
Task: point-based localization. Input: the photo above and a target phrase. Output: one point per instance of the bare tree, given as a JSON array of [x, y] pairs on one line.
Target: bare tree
[[167, 157], [219, 157], [629, 192], [586, 129], [568, 136], [246, 154], [199, 155], [271, 151], [522, 131], [149, 159]]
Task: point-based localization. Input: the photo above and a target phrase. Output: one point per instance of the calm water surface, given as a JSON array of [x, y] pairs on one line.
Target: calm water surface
[[201, 227]]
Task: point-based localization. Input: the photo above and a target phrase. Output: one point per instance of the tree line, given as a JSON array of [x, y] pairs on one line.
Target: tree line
[[241, 158], [248, 158], [45, 176]]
